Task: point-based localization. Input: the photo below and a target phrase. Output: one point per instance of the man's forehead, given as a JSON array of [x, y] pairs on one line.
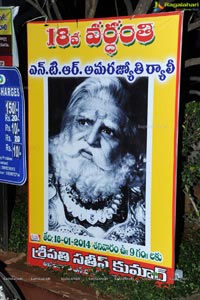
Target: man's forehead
[[101, 108], [97, 102]]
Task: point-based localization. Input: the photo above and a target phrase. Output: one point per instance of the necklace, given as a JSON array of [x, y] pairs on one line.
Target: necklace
[[74, 206]]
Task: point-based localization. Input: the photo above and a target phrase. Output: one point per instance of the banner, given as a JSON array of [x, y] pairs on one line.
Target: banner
[[103, 130], [8, 43]]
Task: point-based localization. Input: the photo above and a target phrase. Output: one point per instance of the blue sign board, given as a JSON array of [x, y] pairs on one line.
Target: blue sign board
[[12, 127]]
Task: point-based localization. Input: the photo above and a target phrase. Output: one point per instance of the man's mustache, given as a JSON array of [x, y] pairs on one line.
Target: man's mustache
[[74, 150], [82, 149]]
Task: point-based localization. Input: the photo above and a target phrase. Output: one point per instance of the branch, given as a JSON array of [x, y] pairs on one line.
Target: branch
[[56, 10], [48, 10], [90, 8], [38, 7], [142, 7], [192, 201], [192, 62], [116, 8], [129, 7], [194, 25]]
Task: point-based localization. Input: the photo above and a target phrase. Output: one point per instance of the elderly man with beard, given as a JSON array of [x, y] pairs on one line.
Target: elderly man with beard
[[97, 179]]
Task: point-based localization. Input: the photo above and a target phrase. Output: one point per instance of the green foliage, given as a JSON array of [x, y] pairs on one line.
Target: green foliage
[[191, 152], [18, 232], [190, 264], [191, 144]]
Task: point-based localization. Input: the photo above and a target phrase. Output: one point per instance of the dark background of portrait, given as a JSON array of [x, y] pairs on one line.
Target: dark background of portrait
[[61, 88]]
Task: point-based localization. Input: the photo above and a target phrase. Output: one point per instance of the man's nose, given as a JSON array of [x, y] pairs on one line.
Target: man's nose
[[93, 137]]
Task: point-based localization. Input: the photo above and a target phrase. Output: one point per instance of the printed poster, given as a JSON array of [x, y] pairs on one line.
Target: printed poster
[[103, 130], [8, 43]]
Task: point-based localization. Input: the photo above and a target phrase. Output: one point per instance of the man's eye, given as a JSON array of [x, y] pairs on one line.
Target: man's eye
[[108, 131], [83, 122]]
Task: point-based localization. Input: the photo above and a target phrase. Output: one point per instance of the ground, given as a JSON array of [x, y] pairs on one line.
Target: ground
[[36, 283]]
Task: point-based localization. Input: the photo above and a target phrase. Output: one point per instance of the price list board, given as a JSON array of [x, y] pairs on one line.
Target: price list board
[[12, 127]]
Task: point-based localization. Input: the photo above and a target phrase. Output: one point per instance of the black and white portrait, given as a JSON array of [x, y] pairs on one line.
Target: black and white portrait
[[97, 157]]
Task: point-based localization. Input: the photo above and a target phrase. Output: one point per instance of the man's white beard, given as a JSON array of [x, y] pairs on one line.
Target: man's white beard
[[93, 183]]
